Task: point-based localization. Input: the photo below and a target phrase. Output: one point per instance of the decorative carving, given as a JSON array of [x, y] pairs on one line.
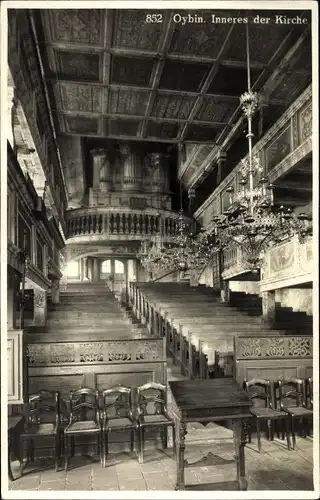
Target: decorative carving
[[36, 354], [273, 347], [39, 298], [119, 351], [281, 258], [249, 347], [61, 353], [148, 351], [305, 121], [279, 148], [77, 26], [300, 346], [81, 97], [90, 353]]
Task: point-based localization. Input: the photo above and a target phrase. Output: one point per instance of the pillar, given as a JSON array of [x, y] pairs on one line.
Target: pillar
[[102, 170], [159, 166], [268, 306], [55, 291], [225, 292], [95, 270], [221, 161], [40, 307], [85, 268]]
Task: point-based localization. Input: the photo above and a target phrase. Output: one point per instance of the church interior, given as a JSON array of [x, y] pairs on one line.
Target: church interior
[[160, 259]]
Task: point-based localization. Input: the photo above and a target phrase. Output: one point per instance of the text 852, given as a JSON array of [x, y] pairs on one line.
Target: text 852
[[153, 18]]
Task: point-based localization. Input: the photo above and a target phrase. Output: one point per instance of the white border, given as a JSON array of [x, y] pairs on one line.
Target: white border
[[194, 5]]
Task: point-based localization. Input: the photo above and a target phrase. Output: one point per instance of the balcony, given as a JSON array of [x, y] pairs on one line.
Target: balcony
[[95, 224]]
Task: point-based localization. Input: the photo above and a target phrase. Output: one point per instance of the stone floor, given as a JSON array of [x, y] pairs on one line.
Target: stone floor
[[275, 468]]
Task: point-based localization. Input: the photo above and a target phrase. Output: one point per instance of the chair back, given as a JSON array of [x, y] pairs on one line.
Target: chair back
[[289, 392], [116, 402], [309, 392], [152, 399], [43, 407], [259, 391], [84, 405]]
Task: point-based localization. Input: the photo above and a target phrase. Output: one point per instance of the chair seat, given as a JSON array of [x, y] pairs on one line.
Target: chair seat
[[118, 423], [155, 420], [40, 430], [267, 413], [82, 426], [298, 411]]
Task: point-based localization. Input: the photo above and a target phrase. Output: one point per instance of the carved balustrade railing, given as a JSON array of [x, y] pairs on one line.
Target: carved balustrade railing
[[113, 222]]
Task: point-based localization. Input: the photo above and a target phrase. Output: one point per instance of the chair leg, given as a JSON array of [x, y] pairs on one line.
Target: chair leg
[[165, 438], [141, 444], [21, 456], [174, 446], [106, 449], [286, 424], [98, 445], [32, 450], [293, 432], [57, 451], [258, 435], [132, 440], [66, 452]]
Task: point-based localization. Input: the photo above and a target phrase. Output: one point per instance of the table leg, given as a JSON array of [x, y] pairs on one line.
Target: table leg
[[239, 443], [180, 447]]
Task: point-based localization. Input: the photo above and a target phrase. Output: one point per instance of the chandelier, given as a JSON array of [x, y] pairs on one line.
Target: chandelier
[[252, 222]]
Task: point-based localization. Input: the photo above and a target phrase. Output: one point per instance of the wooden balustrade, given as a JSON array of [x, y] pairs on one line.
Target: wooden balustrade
[[113, 222]]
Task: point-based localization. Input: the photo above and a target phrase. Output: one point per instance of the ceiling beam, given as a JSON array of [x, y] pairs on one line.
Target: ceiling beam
[[212, 73], [227, 135], [163, 49], [294, 186]]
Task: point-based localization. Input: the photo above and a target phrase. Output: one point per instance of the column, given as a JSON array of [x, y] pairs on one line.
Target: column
[[221, 161], [268, 306], [102, 170], [96, 270], [159, 172], [89, 268], [40, 307], [85, 268], [225, 292], [55, 291]]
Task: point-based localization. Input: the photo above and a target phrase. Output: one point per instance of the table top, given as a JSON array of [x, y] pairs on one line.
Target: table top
[[209, 393]]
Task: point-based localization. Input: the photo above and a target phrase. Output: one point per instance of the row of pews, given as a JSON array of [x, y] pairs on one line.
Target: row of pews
[[208, 338]]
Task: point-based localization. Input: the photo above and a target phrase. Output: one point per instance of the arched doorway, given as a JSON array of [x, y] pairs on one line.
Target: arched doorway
[[113, 272]]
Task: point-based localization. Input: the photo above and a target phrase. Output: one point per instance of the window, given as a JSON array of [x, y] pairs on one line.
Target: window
[[106, 267], [118, 267], [73, 269]]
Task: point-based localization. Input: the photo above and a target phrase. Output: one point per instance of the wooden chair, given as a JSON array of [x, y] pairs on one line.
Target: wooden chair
[[84, 419], [42, 419], [152, 412], [286, 391], [260, 389], [117, 415]]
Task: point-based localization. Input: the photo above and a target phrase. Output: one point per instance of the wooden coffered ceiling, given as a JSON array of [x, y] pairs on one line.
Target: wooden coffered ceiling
[[112, 75]]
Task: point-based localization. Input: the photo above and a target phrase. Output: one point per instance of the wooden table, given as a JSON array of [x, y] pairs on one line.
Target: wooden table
[[15, 427], [207, 401]]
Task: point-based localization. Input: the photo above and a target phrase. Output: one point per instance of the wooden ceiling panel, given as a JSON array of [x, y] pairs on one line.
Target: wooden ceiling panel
[[127, 101], [77, 66], [263, 42], [77, 26], [123, 127], [172, 106], [131, 70], [81, 98], [162, 130], [81, 125], [133, 33], [203, 40], [216, 109], [231, 81], [202, 133], [183, 76], [291, 85]]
